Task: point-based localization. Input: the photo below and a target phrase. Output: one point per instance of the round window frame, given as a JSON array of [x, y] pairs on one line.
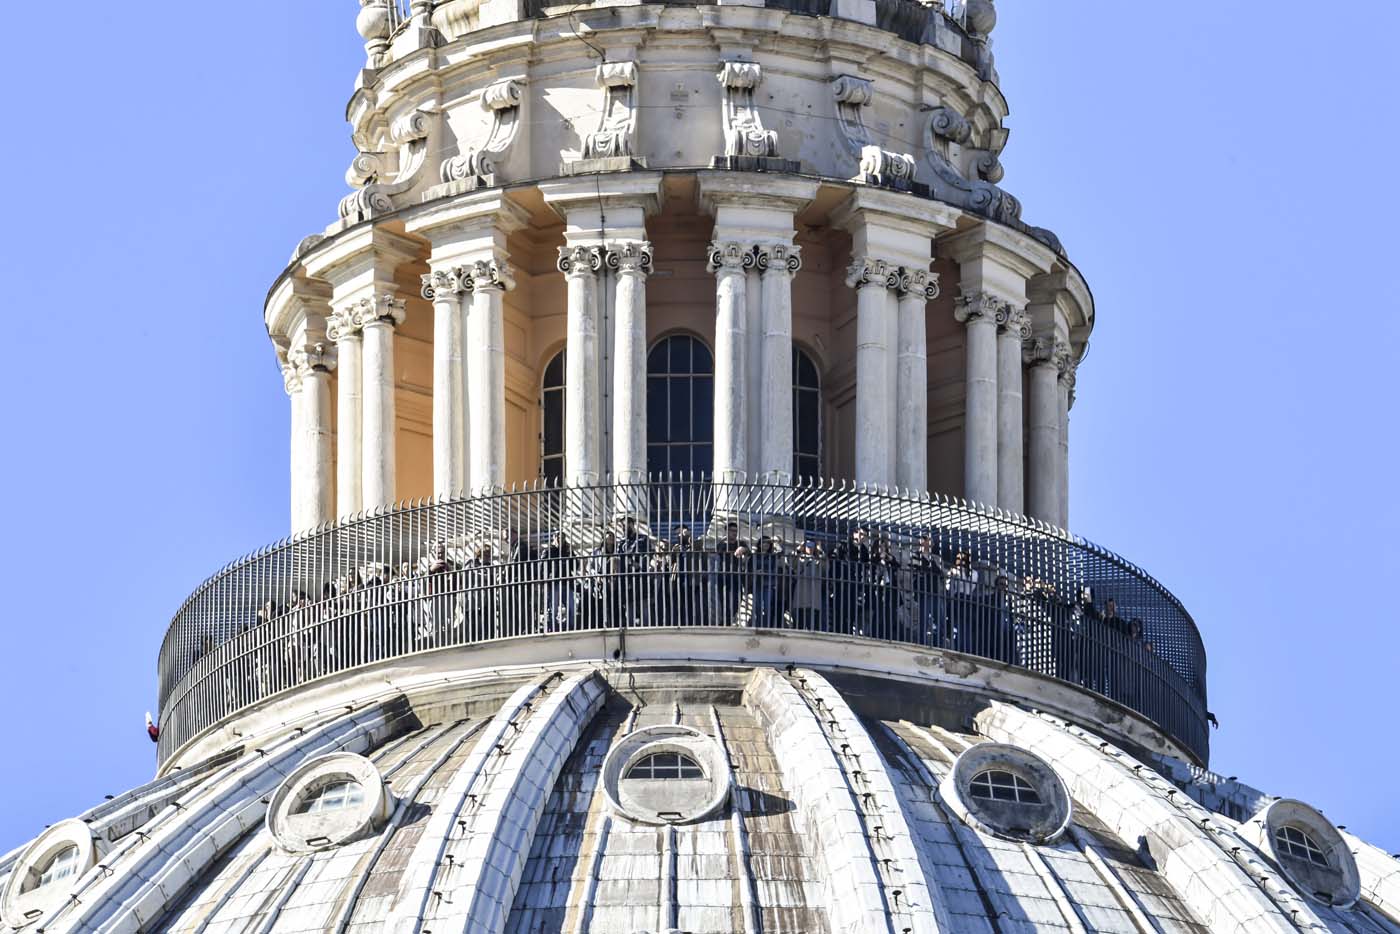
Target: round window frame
[[1262, 830], [703, 749], [19, 906], [956, 792], [340, 826]]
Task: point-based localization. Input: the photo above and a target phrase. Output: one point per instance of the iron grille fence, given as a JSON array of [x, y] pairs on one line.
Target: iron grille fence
[[818, 556]]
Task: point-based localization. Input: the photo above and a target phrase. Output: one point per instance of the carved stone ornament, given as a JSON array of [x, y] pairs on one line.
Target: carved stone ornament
[[618, 122], [778, 256], [382, 308], [887, 169], [730, 256], [744, 134], [488, 274], [502, 101], [853, 95], [374, 27], [580, 260], [915, 281], [1066, 364], [970, 306], [343, 323], [632, 258], [446, 283], [946, 123], [867, 271], [369, 170], [1039, 350], [1012, 319]]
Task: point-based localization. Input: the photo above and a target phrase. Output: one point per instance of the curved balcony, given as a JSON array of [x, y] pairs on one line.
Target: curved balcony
[[824, 558]]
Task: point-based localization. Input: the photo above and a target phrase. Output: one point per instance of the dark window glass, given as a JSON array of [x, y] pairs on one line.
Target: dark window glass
[[552, 421], [680, 406], [998, 785], [806, 416], [665, 765]]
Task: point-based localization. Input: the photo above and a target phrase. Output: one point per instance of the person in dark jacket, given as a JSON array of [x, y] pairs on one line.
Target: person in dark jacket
[[927, 574]]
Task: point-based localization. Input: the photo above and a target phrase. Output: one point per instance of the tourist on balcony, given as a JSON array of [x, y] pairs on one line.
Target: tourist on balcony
[[999, 631], [482, 602], [634, 550], [809, 587], [844, 583], [660, 580], [769, 583], [557, 572], [964, 585], [728, 565], [602, 579], [689, 571], [513, 583], [927, 574], [883, 577]]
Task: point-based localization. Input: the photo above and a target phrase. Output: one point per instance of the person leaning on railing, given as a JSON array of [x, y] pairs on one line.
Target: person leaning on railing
[[809, 586], [689, 565]]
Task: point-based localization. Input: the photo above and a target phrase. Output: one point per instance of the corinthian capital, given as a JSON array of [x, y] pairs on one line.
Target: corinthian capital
[[343, 323], [446, 283], [632, 257], [916, 281], [383, 308], [730, 256], [971, 306], [1066, 364], [1013, 320], [778, 257], [1036, 351], [488, 274], [580, 260], [866, 271]]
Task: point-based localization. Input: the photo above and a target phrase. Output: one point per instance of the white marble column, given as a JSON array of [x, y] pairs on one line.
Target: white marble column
[[345, 330], [978, 311], [449, 290], [1013, 327], [777, 264], [318, 503], [291, 382], [486, 373], [380, 315], [1043, 431], [631, 262], [582, 396], [874, 280], [1068, 369], [917, 287], [729, 261]]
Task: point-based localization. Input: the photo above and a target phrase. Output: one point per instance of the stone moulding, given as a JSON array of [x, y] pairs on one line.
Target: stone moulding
[[478, 164], [411, 134]]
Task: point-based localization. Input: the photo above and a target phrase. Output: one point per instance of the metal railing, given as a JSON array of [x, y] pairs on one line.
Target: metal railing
[[817, 556]]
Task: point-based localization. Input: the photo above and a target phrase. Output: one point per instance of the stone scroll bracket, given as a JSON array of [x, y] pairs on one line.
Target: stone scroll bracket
[[611, 147], [476, 166], [748, 146], [383, 177]]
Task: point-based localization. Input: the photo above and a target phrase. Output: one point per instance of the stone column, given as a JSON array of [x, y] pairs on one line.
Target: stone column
[[380, 315], [729, 261], [1013, 328], [777, 264], [978, 311], [291, 382], [487, 372], [1068, 367], [873, 279], [632, 263], [317, 503], [345, 330], [448, 289], [1043, 434], [917, 287], [582, 398]]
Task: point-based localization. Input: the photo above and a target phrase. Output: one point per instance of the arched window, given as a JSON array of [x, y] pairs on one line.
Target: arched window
[[666, 765], [806, 416], [680, 406], [998, 785], [1295, 843], [63, 864], [552, 422], [335, 796]]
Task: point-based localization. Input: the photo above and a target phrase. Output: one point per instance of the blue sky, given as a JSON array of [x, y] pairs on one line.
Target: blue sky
[[1220, 172]]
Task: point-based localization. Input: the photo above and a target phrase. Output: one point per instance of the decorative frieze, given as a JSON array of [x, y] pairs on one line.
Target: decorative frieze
[[477, 165]]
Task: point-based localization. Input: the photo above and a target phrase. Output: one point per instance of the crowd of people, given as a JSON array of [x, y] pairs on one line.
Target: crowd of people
[[864, 583]]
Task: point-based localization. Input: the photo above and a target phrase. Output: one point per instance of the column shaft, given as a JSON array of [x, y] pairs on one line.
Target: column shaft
[[380, 476], [1014, 328], [776, 428], [980, 419], [349, 428], [1066, 400], [728, 261], [874, 361], [318, 502], [911, 420], [487, 374], [445, 290], [629, 403], [1043, 417], [582, 398], [297, 481]]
